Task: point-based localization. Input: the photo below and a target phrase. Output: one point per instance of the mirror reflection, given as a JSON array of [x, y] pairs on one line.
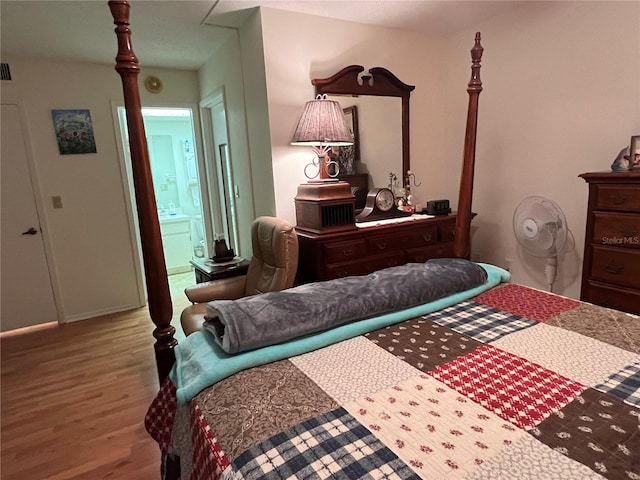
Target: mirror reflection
[[382, 101], [379, 135]]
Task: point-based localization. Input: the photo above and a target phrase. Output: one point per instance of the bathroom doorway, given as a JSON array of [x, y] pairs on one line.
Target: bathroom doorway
[[177, 183]]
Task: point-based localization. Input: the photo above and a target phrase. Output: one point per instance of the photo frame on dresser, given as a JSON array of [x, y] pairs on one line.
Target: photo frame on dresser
[[634, 152], [346, 157]]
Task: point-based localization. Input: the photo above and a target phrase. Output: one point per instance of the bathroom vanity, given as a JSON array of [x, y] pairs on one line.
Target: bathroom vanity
[[176, 242]]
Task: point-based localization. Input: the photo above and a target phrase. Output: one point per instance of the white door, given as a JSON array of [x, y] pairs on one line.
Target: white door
[[26, 292]]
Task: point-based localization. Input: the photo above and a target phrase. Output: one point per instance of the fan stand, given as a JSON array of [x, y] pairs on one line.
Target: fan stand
[[550, 270]]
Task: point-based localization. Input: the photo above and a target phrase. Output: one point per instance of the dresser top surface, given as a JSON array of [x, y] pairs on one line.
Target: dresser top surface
[[385, 228], [631, 176]]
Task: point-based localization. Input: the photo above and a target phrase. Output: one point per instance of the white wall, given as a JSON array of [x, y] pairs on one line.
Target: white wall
[[561, 97], [93, 256]]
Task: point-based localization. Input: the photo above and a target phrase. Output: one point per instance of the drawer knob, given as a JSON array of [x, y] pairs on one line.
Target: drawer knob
[[426, 237], [347, 252], [618, 199], [613, 268], [627, 231], [381, 245]]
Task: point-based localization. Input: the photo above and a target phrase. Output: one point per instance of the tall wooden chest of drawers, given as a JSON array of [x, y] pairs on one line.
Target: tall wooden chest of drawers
[[611, 266], [364, 250]]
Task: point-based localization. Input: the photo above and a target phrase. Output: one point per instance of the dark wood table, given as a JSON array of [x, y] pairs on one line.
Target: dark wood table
[[207, 271]]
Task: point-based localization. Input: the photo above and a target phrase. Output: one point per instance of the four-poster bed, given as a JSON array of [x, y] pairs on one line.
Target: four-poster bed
[[464, 378]]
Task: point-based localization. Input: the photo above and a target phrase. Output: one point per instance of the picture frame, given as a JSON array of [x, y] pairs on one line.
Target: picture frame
[[74, 131], [346, 157], [634, 152]]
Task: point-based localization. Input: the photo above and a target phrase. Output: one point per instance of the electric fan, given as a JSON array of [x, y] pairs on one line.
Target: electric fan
[[541, 229]]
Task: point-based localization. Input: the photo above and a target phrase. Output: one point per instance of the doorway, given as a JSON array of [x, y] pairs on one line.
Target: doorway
[[177, 183]]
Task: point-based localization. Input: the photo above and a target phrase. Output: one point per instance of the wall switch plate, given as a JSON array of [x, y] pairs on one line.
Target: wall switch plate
[[57, 201]]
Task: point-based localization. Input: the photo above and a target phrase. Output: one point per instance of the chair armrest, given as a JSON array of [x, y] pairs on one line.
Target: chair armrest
[[225, 289]]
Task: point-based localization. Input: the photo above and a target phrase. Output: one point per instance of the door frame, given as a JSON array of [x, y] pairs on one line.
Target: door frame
[[11, 99], [214, 168], [128, 188]]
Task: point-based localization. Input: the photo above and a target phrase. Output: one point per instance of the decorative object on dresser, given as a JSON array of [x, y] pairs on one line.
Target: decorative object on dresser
[[322, 125], [438, 207], [629, 157], [380, 204], [327, 204], [325, 207], [346, 156], [611, 266], [634, 153]]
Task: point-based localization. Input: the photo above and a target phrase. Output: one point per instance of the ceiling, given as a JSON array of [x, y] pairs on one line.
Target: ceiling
[[183, 34]]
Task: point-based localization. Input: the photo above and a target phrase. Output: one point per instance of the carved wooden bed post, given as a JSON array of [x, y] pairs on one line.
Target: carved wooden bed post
[[462, 239], [158, 296]]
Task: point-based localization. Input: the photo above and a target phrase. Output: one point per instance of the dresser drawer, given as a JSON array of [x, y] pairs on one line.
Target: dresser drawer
[[379, 244], [365, 266], [384, 261], [425, 236], [616, 265], [616, 229], [346, 269], [619, 298], [421, 255], [411, 239], [447, 230], [620, 198], [344, 251]]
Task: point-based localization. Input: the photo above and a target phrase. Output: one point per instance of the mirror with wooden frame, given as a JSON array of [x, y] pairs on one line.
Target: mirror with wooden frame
[[390, 120]]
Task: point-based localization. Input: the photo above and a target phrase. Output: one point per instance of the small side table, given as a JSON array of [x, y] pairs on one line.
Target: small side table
[[206, 271]]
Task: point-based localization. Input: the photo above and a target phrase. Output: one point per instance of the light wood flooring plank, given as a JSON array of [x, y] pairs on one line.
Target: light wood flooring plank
[[74, 396]]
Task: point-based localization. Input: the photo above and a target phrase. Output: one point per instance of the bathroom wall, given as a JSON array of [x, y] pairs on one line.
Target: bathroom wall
[[174, 170]]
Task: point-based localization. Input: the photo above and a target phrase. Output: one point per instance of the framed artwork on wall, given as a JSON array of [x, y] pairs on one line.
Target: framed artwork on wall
[[74, 131]]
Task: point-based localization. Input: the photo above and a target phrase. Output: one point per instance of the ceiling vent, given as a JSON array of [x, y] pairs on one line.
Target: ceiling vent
[[5, 73]]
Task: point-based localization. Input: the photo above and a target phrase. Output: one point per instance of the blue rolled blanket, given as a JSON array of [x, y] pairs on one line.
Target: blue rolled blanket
[[270, 318]]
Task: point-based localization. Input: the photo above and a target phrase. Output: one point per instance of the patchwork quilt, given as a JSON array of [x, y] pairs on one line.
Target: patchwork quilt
[[514, 383]]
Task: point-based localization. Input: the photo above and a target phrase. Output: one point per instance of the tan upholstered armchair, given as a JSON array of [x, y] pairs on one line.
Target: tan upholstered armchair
[[273, 267]]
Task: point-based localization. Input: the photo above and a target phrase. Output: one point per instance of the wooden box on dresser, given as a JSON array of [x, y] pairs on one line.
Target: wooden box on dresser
[[611, 266], [364, 250]]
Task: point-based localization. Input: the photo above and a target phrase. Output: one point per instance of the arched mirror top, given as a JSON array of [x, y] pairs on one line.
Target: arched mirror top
[[377, 81]]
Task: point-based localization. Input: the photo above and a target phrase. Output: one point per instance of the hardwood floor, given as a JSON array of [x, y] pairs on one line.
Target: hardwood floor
[[74, 397]]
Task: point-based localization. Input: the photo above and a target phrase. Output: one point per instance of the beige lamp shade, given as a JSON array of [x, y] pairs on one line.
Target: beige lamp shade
[[322, 123]]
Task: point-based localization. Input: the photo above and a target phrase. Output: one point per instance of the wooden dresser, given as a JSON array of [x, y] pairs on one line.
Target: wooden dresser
[[364, 250], [611, 267]]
